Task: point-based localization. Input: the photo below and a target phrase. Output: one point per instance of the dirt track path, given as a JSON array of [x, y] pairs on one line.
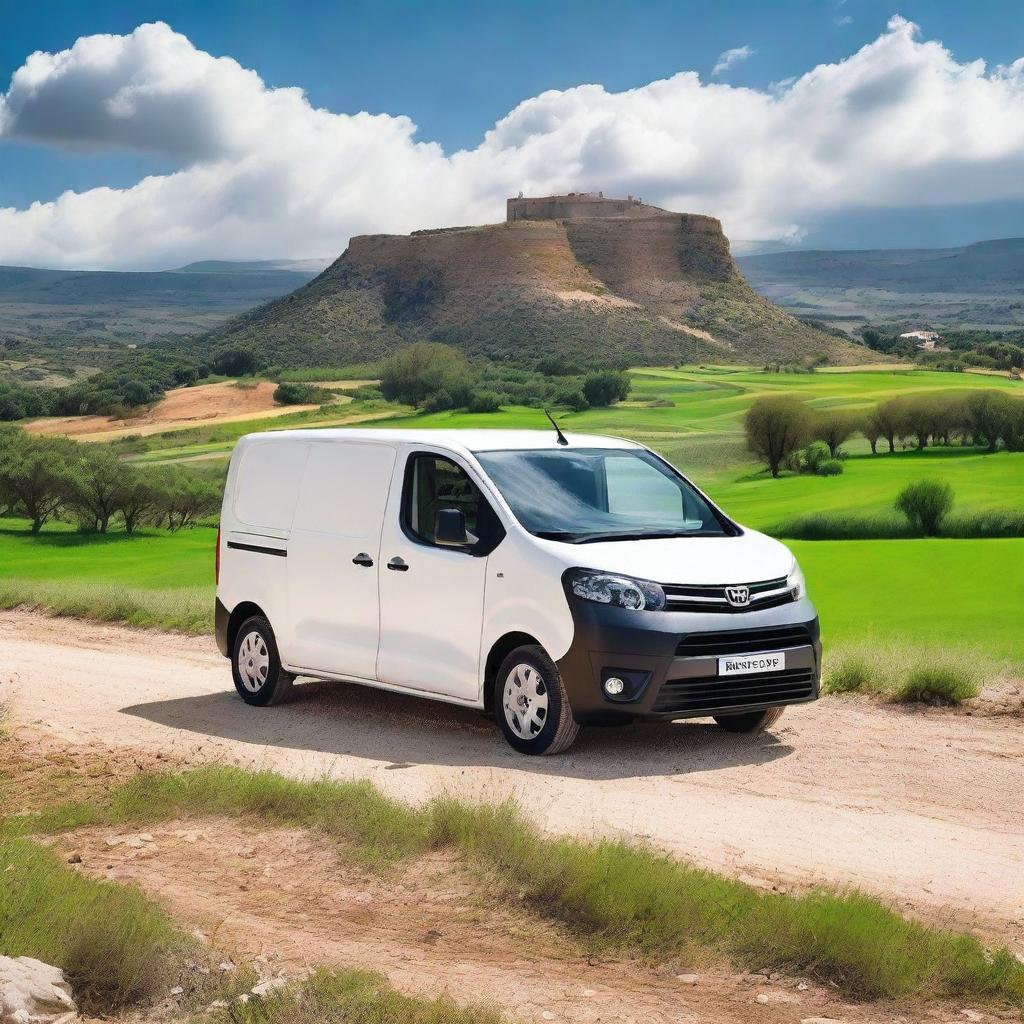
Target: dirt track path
[[926, 808]]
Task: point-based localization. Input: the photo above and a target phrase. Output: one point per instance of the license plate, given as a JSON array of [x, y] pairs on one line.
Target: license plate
[[748, 664]]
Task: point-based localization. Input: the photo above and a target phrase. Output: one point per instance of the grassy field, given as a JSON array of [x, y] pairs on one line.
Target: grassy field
[[928, 592], [925, 592]]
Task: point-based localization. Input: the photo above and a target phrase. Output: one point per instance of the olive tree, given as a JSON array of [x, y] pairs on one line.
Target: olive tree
[[834, 426], [35, 476]]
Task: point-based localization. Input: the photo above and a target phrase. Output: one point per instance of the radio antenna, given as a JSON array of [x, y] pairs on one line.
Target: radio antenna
[[558, 429]]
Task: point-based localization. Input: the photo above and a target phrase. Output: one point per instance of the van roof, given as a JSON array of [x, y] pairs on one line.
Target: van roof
[[455, 440]]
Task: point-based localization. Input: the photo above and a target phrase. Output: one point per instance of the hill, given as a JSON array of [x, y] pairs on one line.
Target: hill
[[975, 285], [577, 278], [78, 305]]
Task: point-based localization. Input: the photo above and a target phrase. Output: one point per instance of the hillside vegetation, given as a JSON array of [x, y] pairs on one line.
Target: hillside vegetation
[[654, 289]]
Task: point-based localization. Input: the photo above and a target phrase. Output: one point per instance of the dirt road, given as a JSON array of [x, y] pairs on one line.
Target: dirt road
[[925, 807]]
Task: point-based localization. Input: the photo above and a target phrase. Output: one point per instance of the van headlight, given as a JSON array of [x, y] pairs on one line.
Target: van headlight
[[620, 591], [796, 583]]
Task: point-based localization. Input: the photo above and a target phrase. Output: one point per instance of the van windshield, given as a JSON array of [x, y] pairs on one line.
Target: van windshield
[[595, 494]]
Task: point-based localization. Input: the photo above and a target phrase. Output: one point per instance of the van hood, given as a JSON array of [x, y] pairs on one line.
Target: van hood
[[748, 558]]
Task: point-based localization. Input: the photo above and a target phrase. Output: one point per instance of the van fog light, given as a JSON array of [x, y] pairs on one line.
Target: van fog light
[[614, 686]]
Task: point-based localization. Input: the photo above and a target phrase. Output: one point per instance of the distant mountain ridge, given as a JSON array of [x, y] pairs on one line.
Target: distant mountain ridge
[[575, 278], [973, 285], [134, 306]]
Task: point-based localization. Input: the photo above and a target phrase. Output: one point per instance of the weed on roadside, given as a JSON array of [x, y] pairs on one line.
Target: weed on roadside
[[352, 997], [931, 676], [613, 895]]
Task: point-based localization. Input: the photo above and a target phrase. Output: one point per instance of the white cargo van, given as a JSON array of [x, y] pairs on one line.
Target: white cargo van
[[554, 580]]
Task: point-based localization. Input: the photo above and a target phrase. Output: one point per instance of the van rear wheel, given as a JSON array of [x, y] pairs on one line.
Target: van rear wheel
[[531, 704], [256, 665], [751, 722]]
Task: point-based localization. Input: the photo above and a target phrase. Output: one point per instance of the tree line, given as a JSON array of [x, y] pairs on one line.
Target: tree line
[[434, 377], [46, 478], [779, 427]]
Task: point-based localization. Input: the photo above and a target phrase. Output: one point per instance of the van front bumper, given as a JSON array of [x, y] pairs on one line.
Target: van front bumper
[[668, 661]]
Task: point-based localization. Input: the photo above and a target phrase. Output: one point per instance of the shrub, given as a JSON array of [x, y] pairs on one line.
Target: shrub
[[939, 684], [438, 402], [841, 526], [847, 674], [235, 362], [830, 467], [606, 387], [419, 373], [925, 504], [295, 393], [485, 401], [923, 675], [572, 397]]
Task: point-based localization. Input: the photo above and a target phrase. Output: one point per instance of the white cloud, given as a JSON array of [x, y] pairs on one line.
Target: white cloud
[[729, 58], [262, 173]]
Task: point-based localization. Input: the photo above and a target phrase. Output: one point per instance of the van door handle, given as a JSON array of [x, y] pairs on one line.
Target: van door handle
[[398, 564], [363, 559]]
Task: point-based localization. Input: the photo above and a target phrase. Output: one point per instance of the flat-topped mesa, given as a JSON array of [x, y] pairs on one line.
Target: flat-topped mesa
[[576, 206], [579, 278]]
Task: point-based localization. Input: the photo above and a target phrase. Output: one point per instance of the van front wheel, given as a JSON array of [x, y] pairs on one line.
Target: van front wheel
[[531, 704], [256, 665], [751, 722]]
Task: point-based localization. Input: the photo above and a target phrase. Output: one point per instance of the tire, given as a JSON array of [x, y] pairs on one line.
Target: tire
[[530, 675], [256, 665], [750, 722]]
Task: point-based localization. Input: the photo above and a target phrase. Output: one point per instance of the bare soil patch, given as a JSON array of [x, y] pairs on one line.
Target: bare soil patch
[[431, 926], [181, 407]]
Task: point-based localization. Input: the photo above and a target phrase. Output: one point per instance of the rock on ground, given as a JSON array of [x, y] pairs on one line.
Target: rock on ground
[[32, 992]]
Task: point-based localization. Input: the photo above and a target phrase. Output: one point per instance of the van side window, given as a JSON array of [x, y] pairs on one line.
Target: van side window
[[432, 483]]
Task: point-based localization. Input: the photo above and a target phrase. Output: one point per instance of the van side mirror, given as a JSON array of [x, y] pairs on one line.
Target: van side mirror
[[450, 528]]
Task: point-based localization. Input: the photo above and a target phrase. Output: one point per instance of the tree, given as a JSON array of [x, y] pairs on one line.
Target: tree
[[1013, 427], [416, 374], [137, 499], [834, 426], [97, 484], [888, 419], [35, 477], [987, 412], [606, 387], [925, 504], [182, 497], [775, 428], [871, 430], [235, 362]]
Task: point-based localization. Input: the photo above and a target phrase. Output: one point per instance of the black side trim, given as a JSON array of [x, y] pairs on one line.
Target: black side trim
[[221, 618], [282, 552]]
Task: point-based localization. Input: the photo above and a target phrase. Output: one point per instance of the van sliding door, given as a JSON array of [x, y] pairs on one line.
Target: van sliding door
[[333, 555]]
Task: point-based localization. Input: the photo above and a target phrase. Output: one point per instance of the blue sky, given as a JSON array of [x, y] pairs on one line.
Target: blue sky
[[456, 68]]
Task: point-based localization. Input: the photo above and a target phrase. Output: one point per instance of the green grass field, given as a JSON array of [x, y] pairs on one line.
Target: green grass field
[[926, 592], [930, 593]]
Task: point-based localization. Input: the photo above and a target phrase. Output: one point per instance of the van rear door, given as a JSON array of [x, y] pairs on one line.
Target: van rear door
[[333, 556]]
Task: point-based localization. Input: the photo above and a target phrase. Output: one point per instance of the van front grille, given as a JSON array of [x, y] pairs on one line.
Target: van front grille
[[742, 641], [712, 598], [711, 695]]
